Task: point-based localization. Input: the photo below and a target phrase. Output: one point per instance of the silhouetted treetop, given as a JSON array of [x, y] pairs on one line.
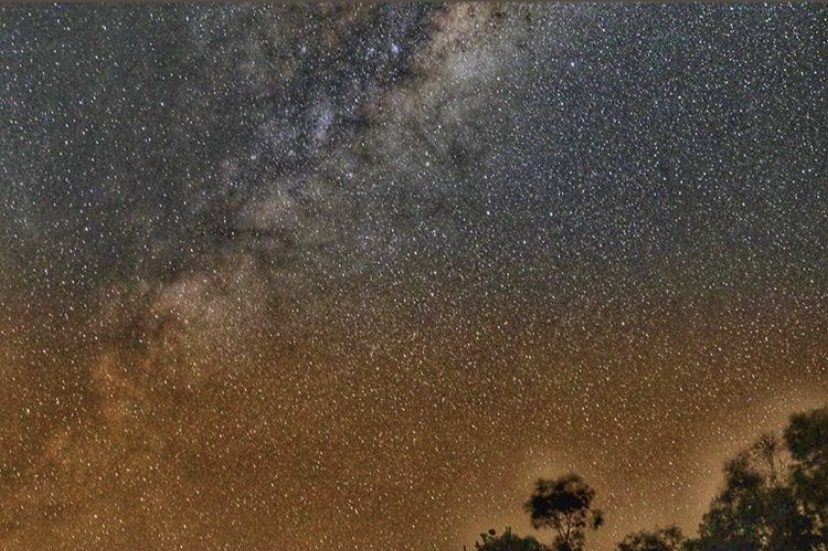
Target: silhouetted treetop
[[664, 539], [564, 505], [807, 439], [507, 541], [773, 497]]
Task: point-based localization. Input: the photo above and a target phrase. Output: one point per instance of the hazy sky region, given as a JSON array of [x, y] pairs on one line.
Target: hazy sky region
[[337, 278]]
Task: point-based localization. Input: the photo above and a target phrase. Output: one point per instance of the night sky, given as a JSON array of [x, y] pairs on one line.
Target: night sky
[[337, 278]]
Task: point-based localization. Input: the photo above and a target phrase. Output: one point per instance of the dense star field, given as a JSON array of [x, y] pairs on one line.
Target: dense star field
[[337, 278]]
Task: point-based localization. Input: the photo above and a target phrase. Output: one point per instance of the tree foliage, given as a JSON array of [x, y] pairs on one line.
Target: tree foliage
[[664, 539], [774, 498], [564, 505], [774, 493], [507, 541], [807, 440]]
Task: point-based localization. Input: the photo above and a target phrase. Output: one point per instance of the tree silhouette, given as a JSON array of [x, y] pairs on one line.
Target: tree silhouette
[[507, 541], [565, 505], [807, 439], [757, 509], [664, 539], [774, 498]]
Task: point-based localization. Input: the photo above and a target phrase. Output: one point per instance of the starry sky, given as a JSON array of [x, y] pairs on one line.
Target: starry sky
[[352, 277]]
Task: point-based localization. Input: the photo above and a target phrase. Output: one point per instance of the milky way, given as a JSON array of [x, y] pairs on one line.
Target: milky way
[[345, 278]]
